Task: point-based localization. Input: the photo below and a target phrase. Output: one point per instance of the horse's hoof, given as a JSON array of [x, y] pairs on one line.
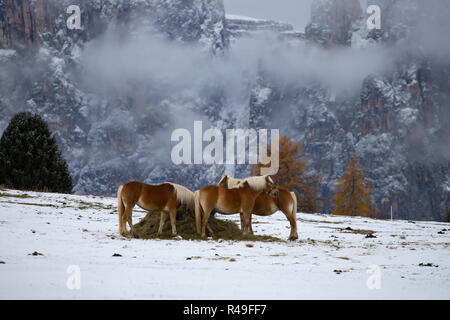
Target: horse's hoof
[[177, 237], [293, 238]]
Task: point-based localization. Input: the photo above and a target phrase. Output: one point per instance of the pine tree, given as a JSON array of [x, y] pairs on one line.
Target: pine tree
[[293, 175], [29, 157], [353, 197]]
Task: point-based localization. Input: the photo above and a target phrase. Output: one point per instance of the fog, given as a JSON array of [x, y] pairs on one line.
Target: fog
[[112, 62], [181, 75]]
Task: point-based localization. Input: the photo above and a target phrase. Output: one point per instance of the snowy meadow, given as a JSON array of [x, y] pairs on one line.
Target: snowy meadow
[[56, 246]]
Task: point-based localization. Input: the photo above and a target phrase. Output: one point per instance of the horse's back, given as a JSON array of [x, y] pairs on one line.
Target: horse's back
[[209, 192], [147, 195], [131, 191], [224, 200], [157, 195]]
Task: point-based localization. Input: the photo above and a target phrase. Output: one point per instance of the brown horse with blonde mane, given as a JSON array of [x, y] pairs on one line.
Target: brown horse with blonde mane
[[230, 201], [167, 197], [280, 199]]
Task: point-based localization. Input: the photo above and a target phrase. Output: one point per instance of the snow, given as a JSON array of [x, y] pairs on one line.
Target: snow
[[262, 95], [5, 55], [244, 18], [446, 185], [82, 231], [408, 116]]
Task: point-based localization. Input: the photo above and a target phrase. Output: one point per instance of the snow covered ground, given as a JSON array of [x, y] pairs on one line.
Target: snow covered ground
[[79, 233]]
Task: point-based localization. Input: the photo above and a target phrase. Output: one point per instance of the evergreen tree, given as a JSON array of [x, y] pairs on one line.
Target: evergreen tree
[[29, 157], [293, 175], [353, 197]]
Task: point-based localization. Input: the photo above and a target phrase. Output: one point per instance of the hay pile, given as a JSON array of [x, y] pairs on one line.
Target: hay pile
[[147, 228]]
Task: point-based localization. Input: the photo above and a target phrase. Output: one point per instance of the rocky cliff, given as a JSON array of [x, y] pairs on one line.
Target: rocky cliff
[[397, 122], [107, 132], [114, 91]]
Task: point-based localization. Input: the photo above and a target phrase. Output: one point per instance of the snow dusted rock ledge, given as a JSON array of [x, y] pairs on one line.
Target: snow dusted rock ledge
[[329, 261], [241, 26]]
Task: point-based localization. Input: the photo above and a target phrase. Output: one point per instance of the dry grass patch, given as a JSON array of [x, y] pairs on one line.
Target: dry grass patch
[[148, 227]]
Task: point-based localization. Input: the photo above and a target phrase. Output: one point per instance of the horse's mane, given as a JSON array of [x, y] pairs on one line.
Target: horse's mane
[[256, 183], [184, 195]]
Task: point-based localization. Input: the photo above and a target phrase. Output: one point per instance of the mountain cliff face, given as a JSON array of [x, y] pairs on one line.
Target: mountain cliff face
[[332, 21], [397, 122], [115, 90], [107, 133]]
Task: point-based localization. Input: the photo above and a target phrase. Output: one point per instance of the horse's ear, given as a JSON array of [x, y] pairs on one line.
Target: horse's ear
[[222, 181]]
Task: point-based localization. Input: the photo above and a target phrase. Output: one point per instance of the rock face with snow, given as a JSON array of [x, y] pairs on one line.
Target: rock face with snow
[[397, 121], [105, 136], [241, 26], [332, 21]]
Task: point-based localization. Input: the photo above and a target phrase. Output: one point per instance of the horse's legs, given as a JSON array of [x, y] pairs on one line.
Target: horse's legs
[[162, 222], [123, 224], [126, 218], [173, 220], [206, 214], [247, 221], [130, 223], [242, 221], [293, 222]]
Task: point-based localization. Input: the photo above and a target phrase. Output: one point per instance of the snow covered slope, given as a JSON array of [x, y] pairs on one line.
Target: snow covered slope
[[330, 260]]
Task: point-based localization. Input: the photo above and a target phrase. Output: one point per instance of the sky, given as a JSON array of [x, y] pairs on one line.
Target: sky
[[294, 12]]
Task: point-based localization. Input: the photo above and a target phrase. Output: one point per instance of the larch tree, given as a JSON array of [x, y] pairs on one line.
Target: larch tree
[[354, 192], [294, 176]]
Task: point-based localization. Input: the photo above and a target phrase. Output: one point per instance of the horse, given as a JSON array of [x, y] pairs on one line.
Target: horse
[[166, 197], [280, 199], [229, 201]]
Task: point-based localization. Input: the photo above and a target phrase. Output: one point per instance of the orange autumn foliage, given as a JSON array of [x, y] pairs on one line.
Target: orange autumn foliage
[[293, 175], [353, 197]]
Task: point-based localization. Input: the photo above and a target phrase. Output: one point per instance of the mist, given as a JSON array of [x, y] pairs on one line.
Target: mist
[[181, 82], [114, 63]]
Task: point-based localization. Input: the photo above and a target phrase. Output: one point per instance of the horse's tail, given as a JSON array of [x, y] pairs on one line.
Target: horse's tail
[[120, 209], [184, 196], [198, 212], [294, 207]]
